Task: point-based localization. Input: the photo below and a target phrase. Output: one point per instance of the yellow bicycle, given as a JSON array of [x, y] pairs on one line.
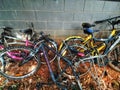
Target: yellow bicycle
[[87, 46]]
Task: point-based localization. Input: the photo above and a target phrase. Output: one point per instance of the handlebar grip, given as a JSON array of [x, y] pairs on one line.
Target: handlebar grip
[[101, 21], [6, 28], [87, 25], [98, 22]]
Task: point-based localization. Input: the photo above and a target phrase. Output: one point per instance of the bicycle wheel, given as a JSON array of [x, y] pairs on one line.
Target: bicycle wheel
[[114, 57], [81, 67], [51, 55], [70, 41], [10, 59]]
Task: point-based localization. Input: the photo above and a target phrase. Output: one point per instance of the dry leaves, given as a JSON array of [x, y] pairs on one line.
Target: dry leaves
[[110, 81]]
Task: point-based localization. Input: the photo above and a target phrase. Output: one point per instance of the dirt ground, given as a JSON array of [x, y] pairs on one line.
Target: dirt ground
[[109, 81]]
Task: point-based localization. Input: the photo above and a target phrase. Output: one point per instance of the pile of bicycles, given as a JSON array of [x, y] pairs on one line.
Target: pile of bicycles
[[76, 56]]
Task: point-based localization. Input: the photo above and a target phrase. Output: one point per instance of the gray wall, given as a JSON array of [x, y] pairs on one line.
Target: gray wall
[[58, 17]]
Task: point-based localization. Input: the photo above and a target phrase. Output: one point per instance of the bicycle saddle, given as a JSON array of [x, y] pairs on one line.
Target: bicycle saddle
[[27, 31], [87, 28], [8, 29], [87, 25]]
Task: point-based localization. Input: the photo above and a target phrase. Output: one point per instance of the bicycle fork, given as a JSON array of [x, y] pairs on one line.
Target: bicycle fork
[[113, 45]]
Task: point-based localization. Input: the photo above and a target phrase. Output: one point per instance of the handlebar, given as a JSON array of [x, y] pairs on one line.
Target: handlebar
[[43, 35], [87, 25], [6, 28], [101, 21]]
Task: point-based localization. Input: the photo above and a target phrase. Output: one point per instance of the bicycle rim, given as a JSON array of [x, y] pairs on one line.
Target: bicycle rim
[[11, 69], [83, 67]]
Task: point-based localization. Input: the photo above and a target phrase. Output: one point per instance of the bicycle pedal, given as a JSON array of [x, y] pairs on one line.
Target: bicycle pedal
[[64, 79]]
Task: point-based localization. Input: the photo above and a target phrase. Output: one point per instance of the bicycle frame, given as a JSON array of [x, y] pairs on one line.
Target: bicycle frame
[[113, 45], [42, 47], [107, 49], [106, 52], [13, 54], [106, 41], [16, 55], [90, 40], [22, 42]]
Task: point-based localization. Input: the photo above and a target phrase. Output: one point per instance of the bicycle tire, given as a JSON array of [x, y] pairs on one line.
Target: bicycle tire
[[11, 68], [71, 56], [70, 40], [51, 55], [114, 58]]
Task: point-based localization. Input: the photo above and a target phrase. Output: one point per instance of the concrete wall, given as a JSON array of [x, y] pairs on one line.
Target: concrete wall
[[57, 17]]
